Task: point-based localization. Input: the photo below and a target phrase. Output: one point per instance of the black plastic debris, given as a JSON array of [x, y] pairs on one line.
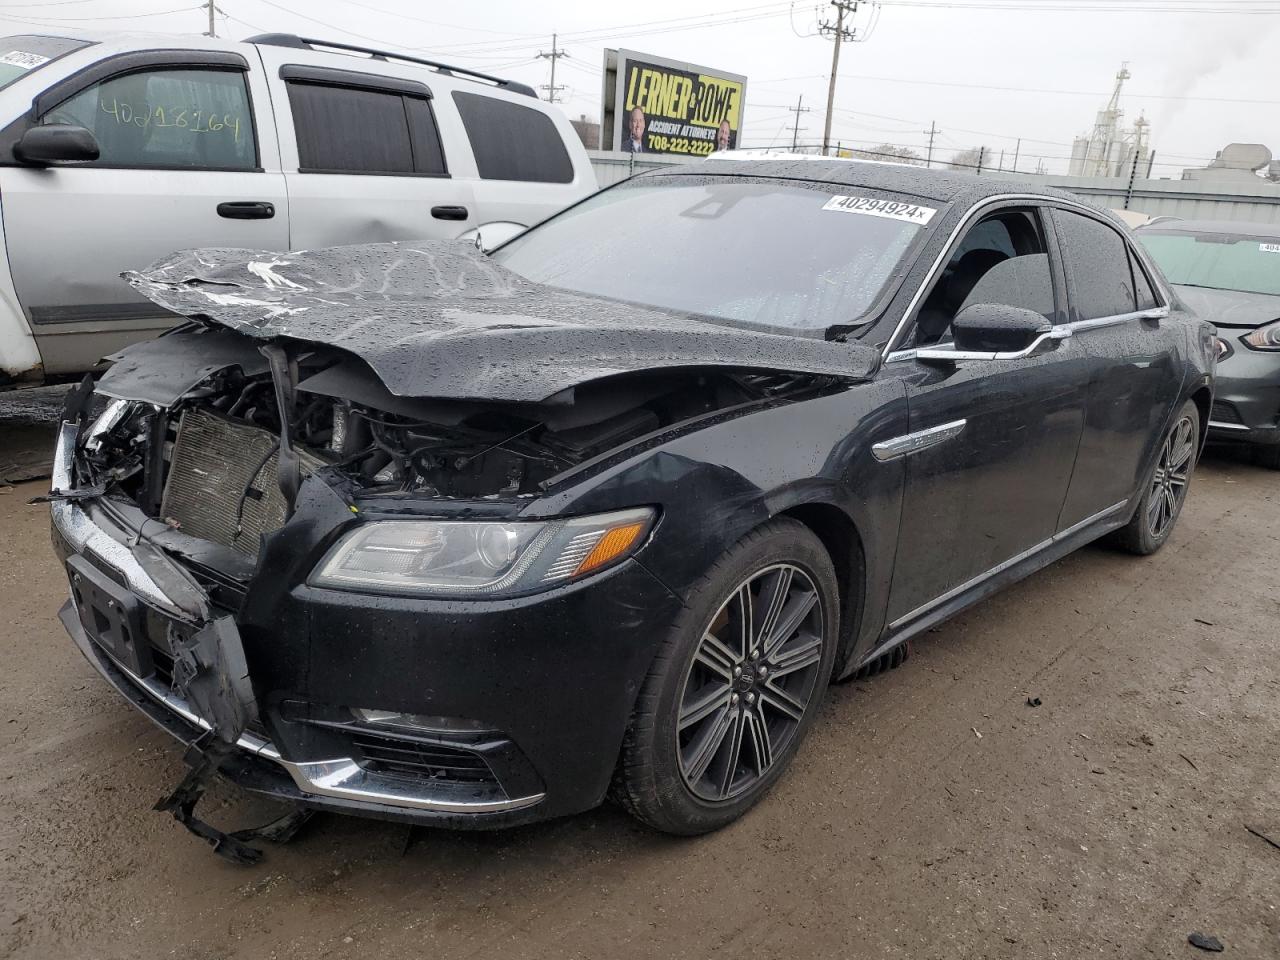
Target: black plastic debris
[[1033, 701], [1205, 942]]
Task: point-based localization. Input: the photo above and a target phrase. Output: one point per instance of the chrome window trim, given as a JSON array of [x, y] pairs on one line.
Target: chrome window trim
[[1062, 331], [910, 443], [977, 210]]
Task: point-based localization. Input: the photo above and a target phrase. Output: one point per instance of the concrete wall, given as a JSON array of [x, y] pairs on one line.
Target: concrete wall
[[1187, 199]]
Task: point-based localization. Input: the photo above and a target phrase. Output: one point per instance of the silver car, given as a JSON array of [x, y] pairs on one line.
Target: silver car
[[116, 149], [1229, 273]]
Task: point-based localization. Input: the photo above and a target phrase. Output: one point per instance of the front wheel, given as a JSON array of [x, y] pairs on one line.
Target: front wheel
[[1166, 489], [735, 686]]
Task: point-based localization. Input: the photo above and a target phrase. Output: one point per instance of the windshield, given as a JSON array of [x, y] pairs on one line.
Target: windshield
[[753, 251], [22, 54], [1219, 261]]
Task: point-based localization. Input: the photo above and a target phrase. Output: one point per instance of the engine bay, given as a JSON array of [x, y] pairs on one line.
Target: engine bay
[[223, 460]]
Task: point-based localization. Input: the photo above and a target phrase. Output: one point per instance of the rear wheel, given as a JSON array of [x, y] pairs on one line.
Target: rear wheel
[[1166, 488], [735, 687]]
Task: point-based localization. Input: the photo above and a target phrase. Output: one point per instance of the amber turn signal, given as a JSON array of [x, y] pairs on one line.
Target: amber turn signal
[[616, 542]]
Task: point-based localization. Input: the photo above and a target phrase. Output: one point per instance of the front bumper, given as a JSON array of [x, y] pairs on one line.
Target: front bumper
[[552, 677], [1246, 404]]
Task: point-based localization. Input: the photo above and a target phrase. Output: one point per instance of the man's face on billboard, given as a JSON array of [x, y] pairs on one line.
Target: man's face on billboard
[[637, 123], [722, 136]]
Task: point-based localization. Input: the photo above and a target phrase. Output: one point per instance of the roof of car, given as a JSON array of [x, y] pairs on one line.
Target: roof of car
[[931, 184], [1229, 227]]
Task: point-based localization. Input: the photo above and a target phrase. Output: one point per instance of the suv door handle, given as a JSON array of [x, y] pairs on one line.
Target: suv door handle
[[247, 210], [449, 213]]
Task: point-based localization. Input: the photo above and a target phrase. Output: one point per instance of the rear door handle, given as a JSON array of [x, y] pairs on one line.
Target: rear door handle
[[449, 213], [247, 210]]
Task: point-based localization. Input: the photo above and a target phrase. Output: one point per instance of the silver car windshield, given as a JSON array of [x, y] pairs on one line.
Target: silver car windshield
[[1216, 261], [752, 251]]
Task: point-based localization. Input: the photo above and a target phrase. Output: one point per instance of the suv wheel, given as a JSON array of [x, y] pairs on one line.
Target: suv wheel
[[736, 684]]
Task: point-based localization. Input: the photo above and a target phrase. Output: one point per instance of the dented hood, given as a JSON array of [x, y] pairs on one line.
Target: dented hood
[[440, 319]]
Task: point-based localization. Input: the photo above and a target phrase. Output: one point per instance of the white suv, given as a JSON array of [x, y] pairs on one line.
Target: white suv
[[116, 149]]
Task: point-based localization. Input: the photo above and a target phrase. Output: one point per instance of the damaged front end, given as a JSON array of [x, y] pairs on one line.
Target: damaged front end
[[208, 518]]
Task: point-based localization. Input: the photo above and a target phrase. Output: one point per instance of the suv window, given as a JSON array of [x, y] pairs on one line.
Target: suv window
[[358, 130], [1002, 259], [170, 118], [511, 142], [1099, 261]]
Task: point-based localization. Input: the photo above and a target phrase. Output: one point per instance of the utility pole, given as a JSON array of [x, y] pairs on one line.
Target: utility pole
[[1001, 165], [555, 54], [213, 30], [933, 131], [1016, 151], [840, 33], [982, 155], [795, 129]]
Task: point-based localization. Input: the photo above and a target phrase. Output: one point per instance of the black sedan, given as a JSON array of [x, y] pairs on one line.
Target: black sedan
[[413, 532]]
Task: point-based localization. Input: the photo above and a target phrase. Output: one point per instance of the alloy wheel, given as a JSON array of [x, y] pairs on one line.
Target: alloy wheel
[[1169, 485], [750, 682]]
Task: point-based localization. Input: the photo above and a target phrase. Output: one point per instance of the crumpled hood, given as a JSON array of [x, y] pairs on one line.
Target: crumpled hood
[[1230, 308], [440, 319]]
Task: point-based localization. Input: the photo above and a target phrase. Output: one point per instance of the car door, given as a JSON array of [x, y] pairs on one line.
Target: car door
[[362, 151], [187, 158], [1119, 321], [992, 441]]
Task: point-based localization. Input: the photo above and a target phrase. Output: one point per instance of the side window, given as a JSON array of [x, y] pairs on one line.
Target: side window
[[1142, 285], [1098, 259], [350, 130], [170, 118], [511, 142], [1002, 259]]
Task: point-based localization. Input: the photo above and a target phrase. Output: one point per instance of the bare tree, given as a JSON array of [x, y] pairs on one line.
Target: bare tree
[[970, 159], [891, 153]]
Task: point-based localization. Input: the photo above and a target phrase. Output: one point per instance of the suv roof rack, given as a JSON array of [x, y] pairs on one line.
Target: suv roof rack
[[309, 43]]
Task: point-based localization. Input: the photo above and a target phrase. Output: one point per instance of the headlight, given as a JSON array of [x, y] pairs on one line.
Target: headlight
[[479, 558], [1264, 338]]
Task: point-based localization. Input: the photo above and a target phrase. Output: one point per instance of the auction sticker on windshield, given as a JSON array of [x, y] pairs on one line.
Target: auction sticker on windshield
[[1269, 247], [20, 58], [889, 209]]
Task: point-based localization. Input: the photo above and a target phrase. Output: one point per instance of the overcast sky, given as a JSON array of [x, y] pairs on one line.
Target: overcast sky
[[987, 71]]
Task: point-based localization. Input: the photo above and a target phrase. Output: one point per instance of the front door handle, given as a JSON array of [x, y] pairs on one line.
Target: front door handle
[[449, 213], [247, 210]]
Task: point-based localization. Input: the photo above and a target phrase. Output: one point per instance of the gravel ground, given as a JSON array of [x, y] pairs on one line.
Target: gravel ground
[[1109, 821]]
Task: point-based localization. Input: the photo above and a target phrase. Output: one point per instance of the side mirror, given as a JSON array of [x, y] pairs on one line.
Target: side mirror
[[995, 328], [993, 331], [55, 143]]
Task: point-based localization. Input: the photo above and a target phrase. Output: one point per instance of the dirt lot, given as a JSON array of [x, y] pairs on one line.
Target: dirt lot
[[1110, 821]]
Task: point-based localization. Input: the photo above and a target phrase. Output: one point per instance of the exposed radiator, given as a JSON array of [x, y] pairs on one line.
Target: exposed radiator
[[222, 482]]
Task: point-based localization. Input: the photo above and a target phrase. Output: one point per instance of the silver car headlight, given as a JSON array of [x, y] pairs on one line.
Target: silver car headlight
[[1264, 338], [479, 557]]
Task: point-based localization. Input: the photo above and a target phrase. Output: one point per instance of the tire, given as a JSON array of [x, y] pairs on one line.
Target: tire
[[713, 729], [1165, 490], [1268, 456]]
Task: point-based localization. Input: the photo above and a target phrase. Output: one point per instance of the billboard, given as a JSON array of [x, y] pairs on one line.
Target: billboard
[[654, 105]]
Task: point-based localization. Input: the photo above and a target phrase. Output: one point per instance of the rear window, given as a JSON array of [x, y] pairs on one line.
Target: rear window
[[511, 142], [349, 130], [1099, 262], [1219, 261], [759, 252], [22, 54]]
